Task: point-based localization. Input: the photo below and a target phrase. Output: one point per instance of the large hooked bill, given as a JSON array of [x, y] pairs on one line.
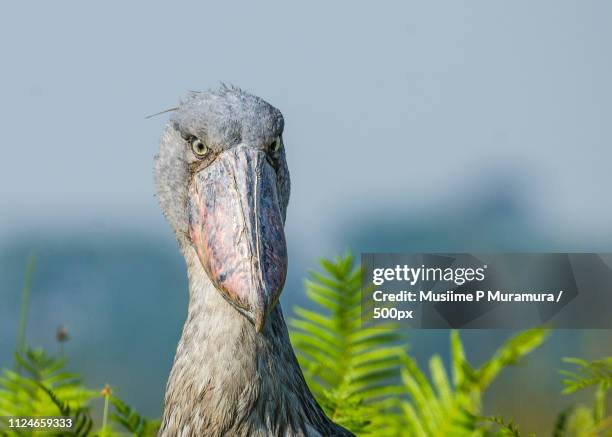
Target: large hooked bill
[[236, 227]]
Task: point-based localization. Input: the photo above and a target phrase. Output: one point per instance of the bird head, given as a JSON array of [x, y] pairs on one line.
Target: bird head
[[223, 183]]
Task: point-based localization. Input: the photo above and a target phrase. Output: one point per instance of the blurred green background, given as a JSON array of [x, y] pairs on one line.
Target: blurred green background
[[410, 126]]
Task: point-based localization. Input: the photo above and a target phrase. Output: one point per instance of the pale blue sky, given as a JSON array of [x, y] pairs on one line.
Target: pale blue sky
[[407, 104]]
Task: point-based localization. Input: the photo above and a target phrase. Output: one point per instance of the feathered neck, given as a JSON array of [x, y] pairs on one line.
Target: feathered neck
[[228, 379]]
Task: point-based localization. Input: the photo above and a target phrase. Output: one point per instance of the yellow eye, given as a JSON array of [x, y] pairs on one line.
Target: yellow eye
[[198, 147], [277, 144]]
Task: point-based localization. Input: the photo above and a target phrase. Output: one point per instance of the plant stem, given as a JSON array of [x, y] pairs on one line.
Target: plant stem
[[105, 416], [599, 409], [25, 303]]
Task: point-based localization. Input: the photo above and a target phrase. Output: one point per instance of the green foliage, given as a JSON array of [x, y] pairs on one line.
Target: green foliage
[[28, 394], [131, 420], [581, 420], [46, 389], [80, 417], [442, 407], [588, 374], [365, 379], [503, 428], [352, 371]]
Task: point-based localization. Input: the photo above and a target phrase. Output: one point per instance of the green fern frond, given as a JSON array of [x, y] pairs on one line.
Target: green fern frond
[[442, 408], [435, 408], [561, 422], [46, 389], [586, 420], [504, 428], [588, 374], [82, 422], [510, 353], [132, 421], [352, 371], [26, 395]]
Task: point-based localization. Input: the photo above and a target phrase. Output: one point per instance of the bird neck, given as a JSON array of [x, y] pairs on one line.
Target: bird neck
[[235, 380]]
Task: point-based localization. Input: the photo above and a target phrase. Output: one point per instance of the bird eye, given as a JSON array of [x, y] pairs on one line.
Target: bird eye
[[198, 147], [277, 144]]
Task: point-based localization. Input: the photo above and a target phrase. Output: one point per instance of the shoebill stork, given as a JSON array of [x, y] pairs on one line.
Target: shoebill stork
[[223, 184]]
